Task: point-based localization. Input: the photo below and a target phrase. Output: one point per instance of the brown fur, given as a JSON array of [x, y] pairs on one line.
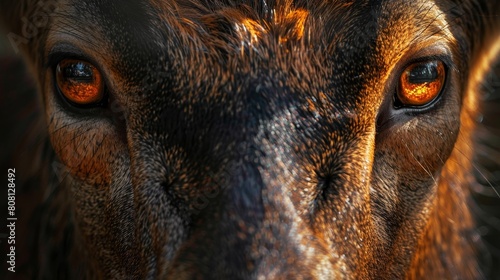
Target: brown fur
[[254, 139]]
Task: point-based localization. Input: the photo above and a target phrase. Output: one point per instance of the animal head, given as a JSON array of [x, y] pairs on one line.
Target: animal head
[[262, 139]]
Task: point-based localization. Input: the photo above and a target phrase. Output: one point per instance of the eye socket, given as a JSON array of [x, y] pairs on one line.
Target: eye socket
[[421, 83], [80, 82]]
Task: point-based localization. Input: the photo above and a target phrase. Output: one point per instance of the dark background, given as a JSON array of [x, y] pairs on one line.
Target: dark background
[[486, 204]]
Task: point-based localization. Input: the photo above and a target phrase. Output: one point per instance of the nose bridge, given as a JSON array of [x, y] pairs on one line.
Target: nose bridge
[[254, 231], [258, 196], [256, 225]]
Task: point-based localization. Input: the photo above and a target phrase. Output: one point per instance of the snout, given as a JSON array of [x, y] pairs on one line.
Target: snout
[[252, 231], [275, 190]]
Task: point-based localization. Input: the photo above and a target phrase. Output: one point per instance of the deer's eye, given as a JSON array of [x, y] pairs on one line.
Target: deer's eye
[[80, 82], [421, 83]]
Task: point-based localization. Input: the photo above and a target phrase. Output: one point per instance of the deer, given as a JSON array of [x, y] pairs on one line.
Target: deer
[[253, 139]]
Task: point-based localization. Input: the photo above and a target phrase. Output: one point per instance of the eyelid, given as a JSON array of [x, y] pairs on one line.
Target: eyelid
[[69, 51], [443, 58], [438, 51], [64, 50]]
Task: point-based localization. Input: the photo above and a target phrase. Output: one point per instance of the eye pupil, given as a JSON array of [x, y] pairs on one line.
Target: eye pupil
[[79, 82], [423, 73]]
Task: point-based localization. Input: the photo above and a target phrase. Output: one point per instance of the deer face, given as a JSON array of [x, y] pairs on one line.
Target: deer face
[[253, 140]]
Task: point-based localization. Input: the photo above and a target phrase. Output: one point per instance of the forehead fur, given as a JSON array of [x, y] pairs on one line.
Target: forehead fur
[[214, 22], [343, 31]]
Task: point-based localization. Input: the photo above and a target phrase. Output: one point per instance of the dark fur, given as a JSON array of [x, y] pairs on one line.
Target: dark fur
[[256, 139]]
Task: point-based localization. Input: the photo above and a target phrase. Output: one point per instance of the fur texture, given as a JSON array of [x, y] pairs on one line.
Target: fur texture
[[252, 139]]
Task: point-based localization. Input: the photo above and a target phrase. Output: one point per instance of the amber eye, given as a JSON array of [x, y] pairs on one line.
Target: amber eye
[[80, 82], [421, 83]]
